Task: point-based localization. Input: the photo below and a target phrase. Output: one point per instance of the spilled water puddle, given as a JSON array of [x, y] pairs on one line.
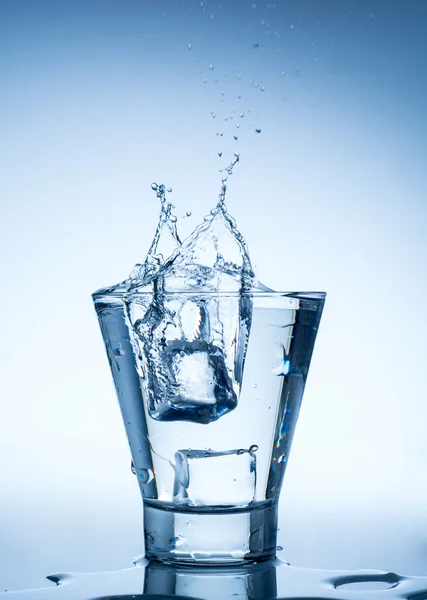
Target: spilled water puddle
[[272, 580]]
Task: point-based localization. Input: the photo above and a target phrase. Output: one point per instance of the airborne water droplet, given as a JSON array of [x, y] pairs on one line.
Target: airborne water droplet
[[220, 154], [169, 190], [188, 213], [213, 115], [258, 130], [211, 67], [190, 46], [236, 138], [255, 45], [262, 88]]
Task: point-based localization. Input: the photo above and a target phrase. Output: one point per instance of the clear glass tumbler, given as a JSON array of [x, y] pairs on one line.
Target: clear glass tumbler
[[209, 414]]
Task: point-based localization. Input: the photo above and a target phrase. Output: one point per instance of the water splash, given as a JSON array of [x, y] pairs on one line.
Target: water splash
[[165, 241]]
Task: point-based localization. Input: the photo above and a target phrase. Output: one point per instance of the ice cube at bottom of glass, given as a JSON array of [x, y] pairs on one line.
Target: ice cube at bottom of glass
[[209, 478]]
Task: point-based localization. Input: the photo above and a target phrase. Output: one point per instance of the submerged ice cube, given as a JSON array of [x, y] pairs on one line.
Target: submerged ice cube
[[205, 477]]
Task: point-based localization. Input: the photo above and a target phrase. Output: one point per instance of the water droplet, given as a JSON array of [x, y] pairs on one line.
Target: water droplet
[[238, 125], [225, 118], [188, 213], [371, 15], [256, 84], [239, 76], [222, 99], [236, 138], [212, 16], [222, 92], [154, 186], [145, 475], [255, 45], [211, 67], [213, 115], [205, 81], [190, 47], [292, 27], [262, 88], [241, 115], [220, 154], [283, 73], [177, 541], [262, 23], [282, 369], [279, 548], [258, 130], [169, 190], [298, 72]]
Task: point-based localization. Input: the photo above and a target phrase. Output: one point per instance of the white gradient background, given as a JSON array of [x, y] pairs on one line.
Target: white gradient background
[[97, 100]]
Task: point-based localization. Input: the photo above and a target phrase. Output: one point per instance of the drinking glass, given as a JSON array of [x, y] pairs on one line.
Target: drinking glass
[[209, 414]]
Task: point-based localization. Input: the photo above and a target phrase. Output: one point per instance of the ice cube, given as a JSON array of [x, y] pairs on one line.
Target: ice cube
[[193, 354], [209, 478]]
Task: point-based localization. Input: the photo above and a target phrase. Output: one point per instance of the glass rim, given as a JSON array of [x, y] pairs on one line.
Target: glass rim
[[218, 293]]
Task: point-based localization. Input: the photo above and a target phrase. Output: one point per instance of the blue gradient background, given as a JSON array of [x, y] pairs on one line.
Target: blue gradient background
[[100, 98]]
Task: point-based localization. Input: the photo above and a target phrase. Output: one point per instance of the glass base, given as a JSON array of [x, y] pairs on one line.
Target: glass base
[[210, 537]]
